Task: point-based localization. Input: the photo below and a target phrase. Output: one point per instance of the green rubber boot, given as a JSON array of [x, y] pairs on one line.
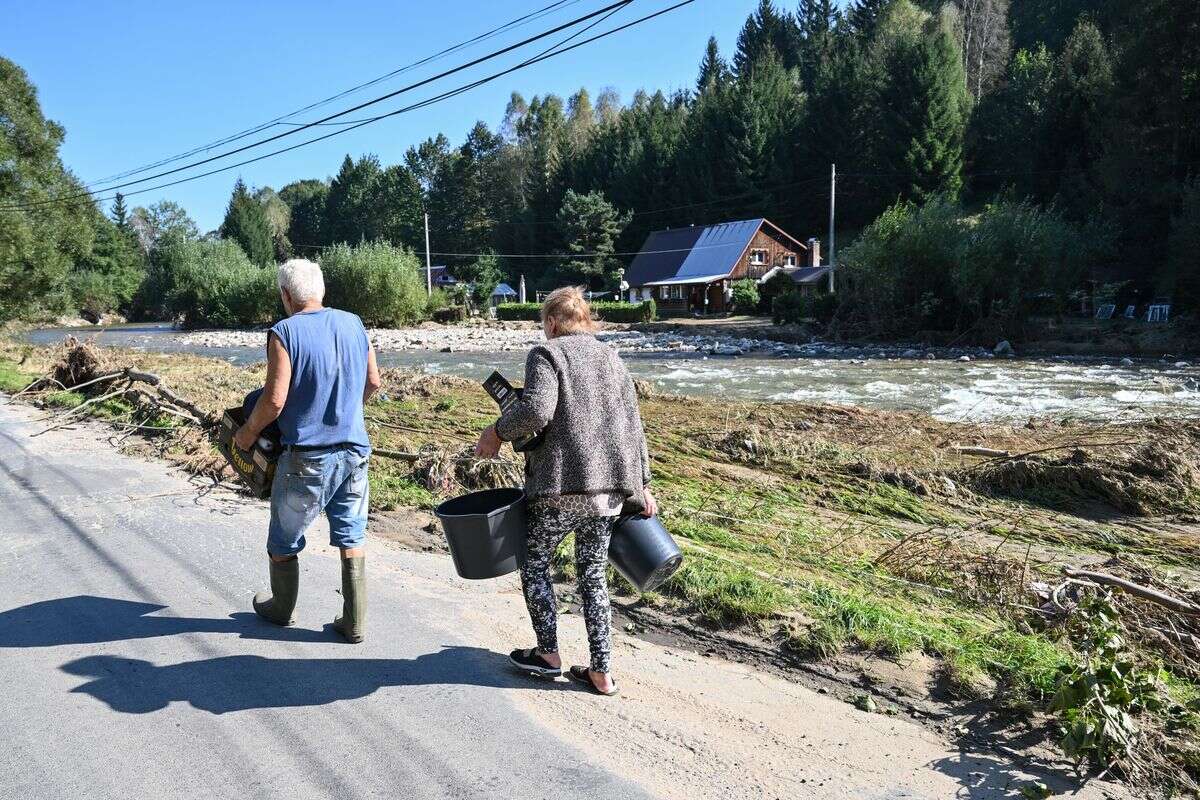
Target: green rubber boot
[[352, 621], [279, 605]]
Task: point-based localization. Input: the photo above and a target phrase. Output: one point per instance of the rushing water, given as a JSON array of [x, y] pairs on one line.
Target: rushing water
[[980, 390]]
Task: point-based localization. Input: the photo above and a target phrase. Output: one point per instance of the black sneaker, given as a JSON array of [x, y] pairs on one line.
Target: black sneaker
[[531, 661]]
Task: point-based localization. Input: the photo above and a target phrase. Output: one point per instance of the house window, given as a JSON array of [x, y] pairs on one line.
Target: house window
[[664, 292], [758, 257], [676, 292], [789, 260]]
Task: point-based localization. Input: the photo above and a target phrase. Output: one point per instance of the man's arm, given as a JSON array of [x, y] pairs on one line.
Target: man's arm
[[274, 396], [373, 379]]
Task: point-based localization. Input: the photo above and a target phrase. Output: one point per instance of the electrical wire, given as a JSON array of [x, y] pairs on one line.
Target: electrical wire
[[422, 104], [280, 120], [360, 106]]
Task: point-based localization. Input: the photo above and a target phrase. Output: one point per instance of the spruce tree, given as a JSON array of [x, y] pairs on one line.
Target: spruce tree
[[766, 30], [246, 223], [120, 214], [713, 69], [925, 103], [863, 17]]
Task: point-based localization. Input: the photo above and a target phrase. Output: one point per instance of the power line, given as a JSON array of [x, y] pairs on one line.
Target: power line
[[360, 106], [512, 24], [406, 109]]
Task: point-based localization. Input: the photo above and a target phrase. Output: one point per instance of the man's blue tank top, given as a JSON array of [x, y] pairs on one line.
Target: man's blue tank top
[[328, 350]]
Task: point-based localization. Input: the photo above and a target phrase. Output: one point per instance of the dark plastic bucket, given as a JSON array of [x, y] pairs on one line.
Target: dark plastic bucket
[[485, 531], [643, 551]]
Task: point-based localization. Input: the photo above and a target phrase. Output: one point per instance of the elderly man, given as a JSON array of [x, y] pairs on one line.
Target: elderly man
[[320, 371]]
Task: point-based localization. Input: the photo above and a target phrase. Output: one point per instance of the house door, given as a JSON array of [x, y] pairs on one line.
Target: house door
[[696, 299]]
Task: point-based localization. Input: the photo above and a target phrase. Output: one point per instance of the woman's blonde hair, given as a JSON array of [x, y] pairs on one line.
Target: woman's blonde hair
[[569, 310]]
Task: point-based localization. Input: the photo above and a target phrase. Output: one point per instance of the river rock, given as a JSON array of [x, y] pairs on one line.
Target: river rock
[[1126, 362], [911, 353], [964, 359], [1004, 350]]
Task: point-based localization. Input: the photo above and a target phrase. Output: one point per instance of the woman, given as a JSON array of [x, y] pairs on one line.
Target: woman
[[590, 467]]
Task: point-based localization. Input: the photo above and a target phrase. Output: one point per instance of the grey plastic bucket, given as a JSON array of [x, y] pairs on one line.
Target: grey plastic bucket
[[643, 552], [485, 532]]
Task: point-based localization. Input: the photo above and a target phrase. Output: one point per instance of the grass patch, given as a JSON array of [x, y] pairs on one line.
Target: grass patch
[[13, 378], [395, 491], [726, 593]]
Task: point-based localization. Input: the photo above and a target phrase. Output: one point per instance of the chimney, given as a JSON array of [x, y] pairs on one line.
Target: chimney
[[814, 252]]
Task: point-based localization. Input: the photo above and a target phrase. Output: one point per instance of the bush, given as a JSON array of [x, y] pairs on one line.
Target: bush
[[213, 284], [745, 296], [788, 308], [519, 312], [450, 314], [644, 311], [777, 284], [930, 267], [377, 281], [92, 293]]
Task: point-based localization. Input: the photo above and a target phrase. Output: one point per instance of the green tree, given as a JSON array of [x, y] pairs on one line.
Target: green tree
[[483, 275], [767, 109], [926, 104], [767, 30], [590, 226], [306, 206], [159, 222], [246, 223], [278, 216], [1183, 244], [862, 17], [108, 277], [349, 214], [1077, 115], [39, 239], [120, 215], [713, 69]]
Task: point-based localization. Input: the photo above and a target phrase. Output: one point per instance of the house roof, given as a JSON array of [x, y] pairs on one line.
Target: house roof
[[809, 274], [699, 254], [504, 290]]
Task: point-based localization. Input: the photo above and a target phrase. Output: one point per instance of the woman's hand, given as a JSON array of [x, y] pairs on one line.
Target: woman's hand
[[651, 504], [489, 443]]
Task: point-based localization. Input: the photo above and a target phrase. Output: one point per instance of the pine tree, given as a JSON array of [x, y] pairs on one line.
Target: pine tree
[[306, 204], [713, 69], [590, 226], [766, 30], [766, 112], [348, 213], [120, 214], [246, 223], [927, 104], [863, 17]]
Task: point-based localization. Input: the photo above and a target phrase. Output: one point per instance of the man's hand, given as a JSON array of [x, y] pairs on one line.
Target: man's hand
[[245, 437], [489, 443], [651, 504]]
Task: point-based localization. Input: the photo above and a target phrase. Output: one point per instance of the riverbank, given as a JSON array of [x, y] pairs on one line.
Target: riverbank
[[834, 539]]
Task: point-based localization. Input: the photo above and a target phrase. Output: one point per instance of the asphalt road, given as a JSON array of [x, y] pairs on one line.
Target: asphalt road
[[133, 667]]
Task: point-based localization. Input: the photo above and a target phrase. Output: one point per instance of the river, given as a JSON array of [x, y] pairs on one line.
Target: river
[[980, 390]]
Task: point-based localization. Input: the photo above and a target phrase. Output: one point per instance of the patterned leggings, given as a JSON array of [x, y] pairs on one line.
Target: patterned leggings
[[548, 526]]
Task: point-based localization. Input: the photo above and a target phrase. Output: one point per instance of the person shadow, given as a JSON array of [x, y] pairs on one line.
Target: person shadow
[[86, 619], [240, 683]]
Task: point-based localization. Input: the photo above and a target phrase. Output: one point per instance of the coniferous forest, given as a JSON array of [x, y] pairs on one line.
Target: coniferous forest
[[995, 158]]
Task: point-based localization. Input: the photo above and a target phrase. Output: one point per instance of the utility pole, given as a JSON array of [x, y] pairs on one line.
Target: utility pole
[[832, 196], [428, 260]]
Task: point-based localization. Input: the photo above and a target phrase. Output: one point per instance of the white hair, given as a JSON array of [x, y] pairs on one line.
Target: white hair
[[302, 280]]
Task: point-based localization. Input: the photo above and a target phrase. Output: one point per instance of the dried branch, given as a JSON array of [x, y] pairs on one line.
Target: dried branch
[[1135, 589]]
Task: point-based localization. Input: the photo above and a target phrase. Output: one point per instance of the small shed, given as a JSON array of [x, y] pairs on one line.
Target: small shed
[[503, 293]]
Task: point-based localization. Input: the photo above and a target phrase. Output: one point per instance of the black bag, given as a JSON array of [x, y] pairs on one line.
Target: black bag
[[506, 395]]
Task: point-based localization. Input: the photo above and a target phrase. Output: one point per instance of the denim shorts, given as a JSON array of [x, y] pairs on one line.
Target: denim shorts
[[307, 482]]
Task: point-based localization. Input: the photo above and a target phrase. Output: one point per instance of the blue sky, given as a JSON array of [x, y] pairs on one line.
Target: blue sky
[[137, 81]]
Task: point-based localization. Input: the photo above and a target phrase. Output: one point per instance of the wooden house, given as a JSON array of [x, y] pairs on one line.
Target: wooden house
[[692, 270]]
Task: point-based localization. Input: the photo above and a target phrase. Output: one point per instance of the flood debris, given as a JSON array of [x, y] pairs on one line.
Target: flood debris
[[1145, 479]]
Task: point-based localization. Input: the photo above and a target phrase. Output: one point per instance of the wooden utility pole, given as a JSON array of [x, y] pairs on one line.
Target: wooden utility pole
[[428, 260], [832, 196]]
